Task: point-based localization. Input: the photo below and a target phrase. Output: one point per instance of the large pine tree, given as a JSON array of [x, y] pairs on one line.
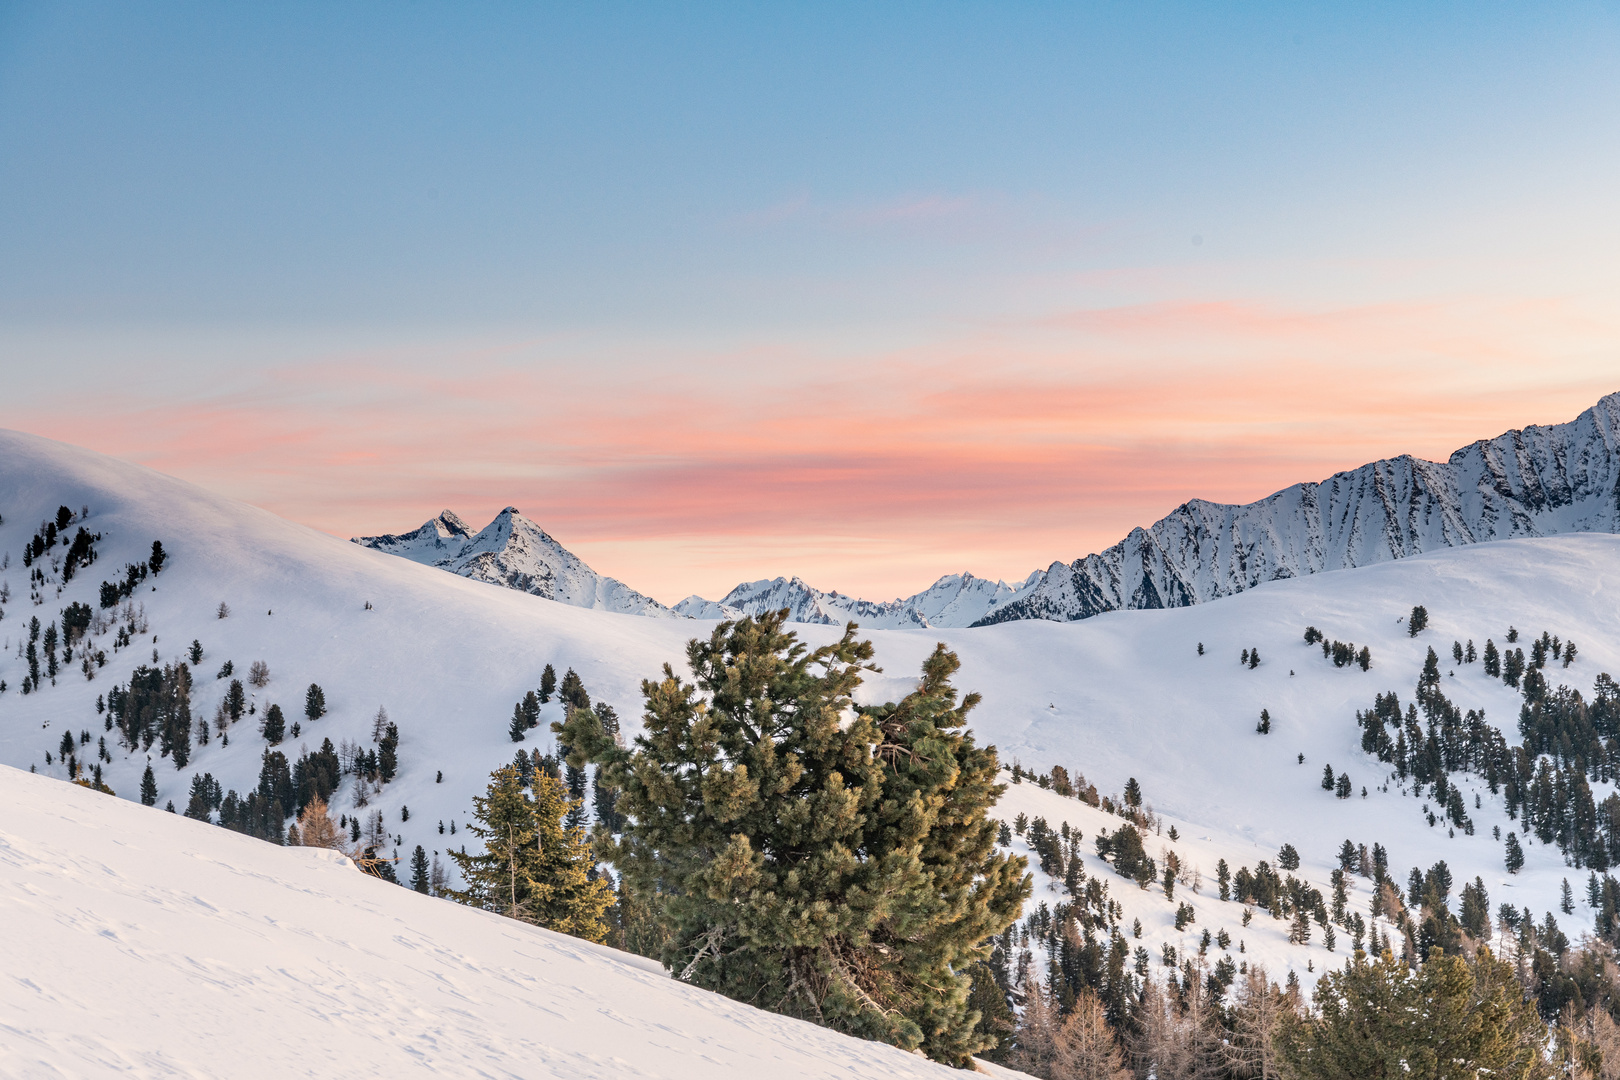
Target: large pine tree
[[532, 867], [808, 856]]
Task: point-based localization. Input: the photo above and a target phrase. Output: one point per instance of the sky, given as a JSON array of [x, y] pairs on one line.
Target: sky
[[863, 293]]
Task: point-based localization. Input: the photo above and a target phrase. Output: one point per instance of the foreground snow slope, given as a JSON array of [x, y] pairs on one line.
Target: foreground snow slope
[[143, 944], [1119, 695]]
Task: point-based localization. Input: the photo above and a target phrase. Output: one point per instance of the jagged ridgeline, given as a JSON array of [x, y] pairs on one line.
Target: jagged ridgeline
[[1537, 481]]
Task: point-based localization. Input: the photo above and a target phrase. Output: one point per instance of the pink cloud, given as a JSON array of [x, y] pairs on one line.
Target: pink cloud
[[997, 453]]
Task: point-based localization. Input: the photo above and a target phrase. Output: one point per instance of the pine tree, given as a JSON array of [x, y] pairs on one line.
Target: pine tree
[[148, 787], [1566, 899], [519, 724], [1418, 621], [1452, 1017], [766, 822], [275, 725], [548, 683], [158, 557], [419, 870], [533, 867], [1264, 726], [314, 702], [1515, 854], [1133, 793], [388, 753], [1327, 778], [195, 653], [1469, 655]]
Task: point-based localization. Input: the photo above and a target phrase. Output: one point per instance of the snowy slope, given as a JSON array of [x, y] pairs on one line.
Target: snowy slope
[[953, 600], [1122, 694], [142, 944], [514, 552]]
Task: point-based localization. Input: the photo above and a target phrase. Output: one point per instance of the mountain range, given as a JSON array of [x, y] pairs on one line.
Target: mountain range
[[1533, 481]]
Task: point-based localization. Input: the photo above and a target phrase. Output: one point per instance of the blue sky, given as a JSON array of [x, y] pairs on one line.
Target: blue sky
[[214, 207]]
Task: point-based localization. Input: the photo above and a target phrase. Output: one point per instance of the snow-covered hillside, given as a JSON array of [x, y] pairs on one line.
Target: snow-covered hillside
[[953, 600], [514, 552], [1123, 694], [143, 944]]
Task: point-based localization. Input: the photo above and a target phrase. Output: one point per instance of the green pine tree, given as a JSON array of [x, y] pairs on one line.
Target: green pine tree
[[275, 725], [148, 787], [819, 859], [519, 724], [548, 684], [1379, 1020], [532, 867], [1515, 854], [419, 870]]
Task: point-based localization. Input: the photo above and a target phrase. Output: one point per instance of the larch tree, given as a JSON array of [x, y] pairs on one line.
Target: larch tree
[[822, 860]]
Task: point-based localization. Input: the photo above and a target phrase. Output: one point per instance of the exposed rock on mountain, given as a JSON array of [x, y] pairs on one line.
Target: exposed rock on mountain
[[954, 600], [1537, 481], [514, 552]]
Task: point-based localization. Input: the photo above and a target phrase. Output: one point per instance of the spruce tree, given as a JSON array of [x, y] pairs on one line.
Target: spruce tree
[[533, 867], [548, 683], [419, 870], [388, 753], [1515, 854], [824, 860], [148, 787], [1264, 726], [519, 724], [275, 725], [1493, 664], [314, 702]]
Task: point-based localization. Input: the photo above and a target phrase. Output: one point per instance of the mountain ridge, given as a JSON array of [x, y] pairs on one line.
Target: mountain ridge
[[516, 553]]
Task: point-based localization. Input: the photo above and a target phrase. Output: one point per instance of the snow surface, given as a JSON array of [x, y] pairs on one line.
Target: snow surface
[[515, 552], [1122, 694], [143, 944]]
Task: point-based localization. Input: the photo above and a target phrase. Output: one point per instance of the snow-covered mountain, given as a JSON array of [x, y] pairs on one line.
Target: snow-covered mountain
[[514, 552], [1535, 481], [143, 944], [953, 600], [1124, 694]]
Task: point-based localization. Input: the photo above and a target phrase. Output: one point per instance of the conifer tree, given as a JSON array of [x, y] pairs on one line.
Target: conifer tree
[[1264, 726], [1493, 663], [419, 870], [519, 725], [388, 753], [548, 683], [314, 702], [148, 787], [1515, 854], [827, 861], [1327, 778], [275, 725], [1379, 1020], [533, 867], [1418, 621]]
